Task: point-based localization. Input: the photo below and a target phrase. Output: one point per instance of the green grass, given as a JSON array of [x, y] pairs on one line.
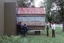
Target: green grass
[[36, 38]]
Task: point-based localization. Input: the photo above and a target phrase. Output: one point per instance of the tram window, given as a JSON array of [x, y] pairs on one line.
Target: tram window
[[30, 18]]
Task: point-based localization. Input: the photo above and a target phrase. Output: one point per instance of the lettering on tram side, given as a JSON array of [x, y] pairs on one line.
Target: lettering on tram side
[[31, 11]]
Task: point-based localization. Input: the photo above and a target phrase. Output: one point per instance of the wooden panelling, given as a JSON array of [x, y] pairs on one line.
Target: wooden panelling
[[10, 18]]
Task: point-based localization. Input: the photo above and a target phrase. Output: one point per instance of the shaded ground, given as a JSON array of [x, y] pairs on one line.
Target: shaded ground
[[35, 38]]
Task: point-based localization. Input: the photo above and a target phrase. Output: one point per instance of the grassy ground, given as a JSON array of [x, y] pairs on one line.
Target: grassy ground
[[36, 38]]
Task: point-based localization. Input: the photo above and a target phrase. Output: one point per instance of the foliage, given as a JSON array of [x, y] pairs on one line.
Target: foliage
[[57, 15], [48, 4], [60, 4], [25, 3]]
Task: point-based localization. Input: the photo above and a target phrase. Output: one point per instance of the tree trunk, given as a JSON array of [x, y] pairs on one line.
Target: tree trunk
[[63, 26], [50, 24]]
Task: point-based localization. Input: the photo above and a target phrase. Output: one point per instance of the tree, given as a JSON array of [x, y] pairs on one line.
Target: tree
[[48, 6], [24, 3], [61, 10]]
